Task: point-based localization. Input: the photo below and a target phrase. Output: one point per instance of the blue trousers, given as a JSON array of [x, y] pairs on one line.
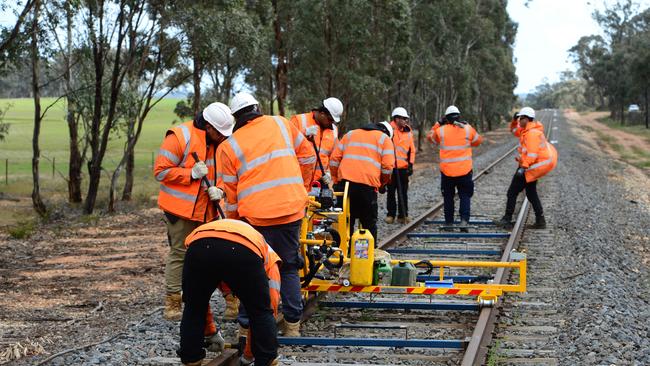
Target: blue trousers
[[284, 239], [465, 187]]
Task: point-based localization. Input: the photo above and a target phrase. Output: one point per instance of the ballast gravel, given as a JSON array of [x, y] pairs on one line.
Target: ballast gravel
[[605, 299]]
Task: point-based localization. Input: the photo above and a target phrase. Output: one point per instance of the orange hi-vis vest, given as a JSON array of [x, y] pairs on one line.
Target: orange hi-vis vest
[[363, 156], [455, 144], [179, 194], [404, 146], [244, 234], [536, 154], [265, 168], [325, 140]]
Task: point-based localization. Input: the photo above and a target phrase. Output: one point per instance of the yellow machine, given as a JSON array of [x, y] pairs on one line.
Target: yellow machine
[[330, 255]]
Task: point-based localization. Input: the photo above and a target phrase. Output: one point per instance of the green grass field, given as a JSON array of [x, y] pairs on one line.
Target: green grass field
[[17, 148]]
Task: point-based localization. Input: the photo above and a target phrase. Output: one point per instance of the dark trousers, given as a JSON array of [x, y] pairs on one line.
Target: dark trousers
[[285, 240], [209, 261], [465, 187], [363, 206], [517, 185], [399, 183]]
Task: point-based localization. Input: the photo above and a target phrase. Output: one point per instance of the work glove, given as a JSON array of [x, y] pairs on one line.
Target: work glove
[[199, 170], [327, 178], [382, 189], [410, 169], [216, 194], [520, 172], [515, 116], [215, 342], [311, 131]]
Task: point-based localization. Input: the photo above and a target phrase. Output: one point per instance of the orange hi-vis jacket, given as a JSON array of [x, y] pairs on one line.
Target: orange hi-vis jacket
[[179, 194], [404, 146], [265, 168], [516, 129], [325, 140], [244, 234], [455, 144], [536, 154], [363, 156]]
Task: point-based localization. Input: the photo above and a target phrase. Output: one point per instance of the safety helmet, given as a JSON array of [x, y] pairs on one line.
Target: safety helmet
[[219, 116], [241, 101], [388, 127], [528, 112], [334, 107], [399, 112], [452, 109]]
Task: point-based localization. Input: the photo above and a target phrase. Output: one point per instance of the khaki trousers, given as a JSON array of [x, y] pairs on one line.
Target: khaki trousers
[[176, 234]]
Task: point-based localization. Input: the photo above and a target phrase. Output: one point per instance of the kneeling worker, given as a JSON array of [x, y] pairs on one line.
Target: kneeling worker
[[365, 157], [232, 252], [455, 139]]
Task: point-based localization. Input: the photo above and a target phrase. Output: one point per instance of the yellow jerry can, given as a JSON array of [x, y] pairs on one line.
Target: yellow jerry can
[[362, 258]]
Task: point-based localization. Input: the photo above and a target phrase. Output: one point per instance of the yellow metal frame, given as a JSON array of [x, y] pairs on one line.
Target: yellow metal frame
[[484, 292]]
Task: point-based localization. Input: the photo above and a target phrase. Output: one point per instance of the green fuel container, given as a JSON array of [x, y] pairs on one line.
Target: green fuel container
[[383, 273], [404, 274]]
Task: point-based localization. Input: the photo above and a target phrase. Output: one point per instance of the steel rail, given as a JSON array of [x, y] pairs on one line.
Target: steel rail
[[481, 338]]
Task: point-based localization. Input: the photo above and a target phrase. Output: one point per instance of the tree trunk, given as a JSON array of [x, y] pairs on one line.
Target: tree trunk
[[196, 80], [646, 106], [281, 69], [271, 93], [75, 160], [128, 184], [39, 206]]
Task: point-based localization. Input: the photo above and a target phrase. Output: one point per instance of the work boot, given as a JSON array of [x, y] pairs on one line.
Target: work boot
[[289, 329], [243, 361], [505, 222], [172, 310], [389, 219], [540, 223], [403, 220], [195, 363], [464, 226], [232, 307]]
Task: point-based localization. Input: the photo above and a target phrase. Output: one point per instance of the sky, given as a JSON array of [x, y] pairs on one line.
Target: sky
[[547, 30]]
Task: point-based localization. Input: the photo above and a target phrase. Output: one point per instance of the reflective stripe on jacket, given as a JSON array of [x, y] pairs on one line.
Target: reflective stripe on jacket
[[325, 140], [363, 156], [179, 193], [536, 154], [404, 146], [455, 147], [264, 169]]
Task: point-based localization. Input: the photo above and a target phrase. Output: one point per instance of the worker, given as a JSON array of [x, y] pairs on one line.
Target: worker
[[536, 158], [185, 200], [319, 126], [455, 138], [364, 158], [405, 155], [233, 253], [265, 169]]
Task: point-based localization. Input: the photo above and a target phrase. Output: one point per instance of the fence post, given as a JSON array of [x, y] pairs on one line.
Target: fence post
[[6, 172], [53, 164], [152, 160]]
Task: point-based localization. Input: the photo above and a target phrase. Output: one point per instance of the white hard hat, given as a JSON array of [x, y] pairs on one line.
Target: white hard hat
[[218, 115], [334, 107], [388, 127], [399, 112], [451, 110], [528, 112], [242, 100]]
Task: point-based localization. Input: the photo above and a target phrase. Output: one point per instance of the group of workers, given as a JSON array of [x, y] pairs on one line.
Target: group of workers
[[258, 169]]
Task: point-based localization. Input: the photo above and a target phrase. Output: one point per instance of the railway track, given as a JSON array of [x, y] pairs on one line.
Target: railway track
[[391, 329]]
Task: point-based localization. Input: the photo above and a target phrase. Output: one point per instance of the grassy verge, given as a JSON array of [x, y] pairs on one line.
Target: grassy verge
[[633, 154]]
